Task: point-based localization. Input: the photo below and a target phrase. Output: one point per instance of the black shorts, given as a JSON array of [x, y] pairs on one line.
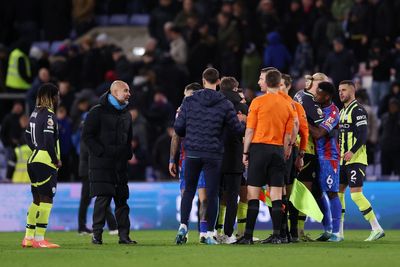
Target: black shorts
[[43, 179], [310, 170], [353, 174], [291, 174], [243, 182], [266, 165]]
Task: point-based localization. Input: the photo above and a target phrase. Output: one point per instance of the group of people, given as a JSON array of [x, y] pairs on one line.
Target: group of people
[[281, 142], [223, 148]]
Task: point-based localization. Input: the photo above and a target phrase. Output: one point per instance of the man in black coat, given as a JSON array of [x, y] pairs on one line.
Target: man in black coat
[[107, 133]]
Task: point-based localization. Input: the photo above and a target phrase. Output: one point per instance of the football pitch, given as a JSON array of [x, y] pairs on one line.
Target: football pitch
[[157, 248]]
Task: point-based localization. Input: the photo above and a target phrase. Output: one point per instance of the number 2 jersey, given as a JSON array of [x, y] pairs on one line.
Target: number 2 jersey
[[42, 137]]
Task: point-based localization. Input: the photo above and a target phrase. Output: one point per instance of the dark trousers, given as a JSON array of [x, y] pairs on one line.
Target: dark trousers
[[212, 174], [231, 186], [84, 204], [390, 162]]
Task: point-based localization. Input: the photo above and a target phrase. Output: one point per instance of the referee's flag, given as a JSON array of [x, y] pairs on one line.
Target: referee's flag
[[303, 200]]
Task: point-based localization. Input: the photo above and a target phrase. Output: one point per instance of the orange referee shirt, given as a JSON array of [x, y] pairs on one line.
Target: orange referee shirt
[[303, 125], [271, 117]]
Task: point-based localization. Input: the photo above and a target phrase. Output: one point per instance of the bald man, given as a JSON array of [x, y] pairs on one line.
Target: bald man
[[107, 133]]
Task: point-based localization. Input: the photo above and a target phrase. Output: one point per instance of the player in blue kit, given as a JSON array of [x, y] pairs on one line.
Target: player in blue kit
[[327, 146]]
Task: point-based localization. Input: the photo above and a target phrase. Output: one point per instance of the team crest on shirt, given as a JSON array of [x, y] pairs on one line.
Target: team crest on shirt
[[50, 122], [319, 111]]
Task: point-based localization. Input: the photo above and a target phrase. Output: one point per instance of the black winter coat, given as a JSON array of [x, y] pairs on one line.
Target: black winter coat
[[107, 133], [233, 154]]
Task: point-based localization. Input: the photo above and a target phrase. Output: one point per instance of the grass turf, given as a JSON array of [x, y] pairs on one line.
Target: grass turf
[[157, 248]]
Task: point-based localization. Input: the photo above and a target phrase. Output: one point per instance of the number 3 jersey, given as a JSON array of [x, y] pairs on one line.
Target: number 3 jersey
[[42, 137]]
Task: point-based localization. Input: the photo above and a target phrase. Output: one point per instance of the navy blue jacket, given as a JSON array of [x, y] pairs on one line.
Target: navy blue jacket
[[201, 121]]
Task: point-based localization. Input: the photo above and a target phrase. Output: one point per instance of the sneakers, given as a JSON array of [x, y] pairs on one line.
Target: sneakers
[[211, 241], [97, 240], [85, 231], [202, 240], [224, 239], [127, 241], [27, 243], [244, 241], [272, 239], [335, 238], [306, 237], [181, 236], [113, 232], [324, 237], [375, 235], [44, 244]]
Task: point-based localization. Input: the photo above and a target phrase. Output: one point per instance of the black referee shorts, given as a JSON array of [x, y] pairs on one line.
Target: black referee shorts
[[43, 179], [291, 172], [266, 165]]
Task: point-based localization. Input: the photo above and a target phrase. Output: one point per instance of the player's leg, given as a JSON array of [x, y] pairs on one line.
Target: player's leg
[[232, 187], [242, 209], [46, 186], [212, 176], [83, 206], [357, 175], [222, 208], [336, 206], [343, 183], [32, 212], [122, 214], [201, 188], [193, 168]]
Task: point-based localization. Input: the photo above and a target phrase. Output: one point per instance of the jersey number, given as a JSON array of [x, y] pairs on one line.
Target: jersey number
[[33, 137], [353, 177]]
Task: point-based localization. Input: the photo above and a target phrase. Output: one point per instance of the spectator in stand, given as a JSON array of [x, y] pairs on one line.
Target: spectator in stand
[[65, 136], [177, 45], [267, 16], [396, 59], [66, 94], [384, 104], [251, 65], [379, 62], [390, 139], [340, 63], [123, 68], [3, 66], [43, 77], [160, 154], [292, 22], [303, 57], [166, 11], [188, 9], [83, 15], [276, 54], [358, 29]]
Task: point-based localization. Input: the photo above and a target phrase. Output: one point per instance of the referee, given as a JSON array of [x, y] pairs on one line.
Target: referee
[[266, 145]]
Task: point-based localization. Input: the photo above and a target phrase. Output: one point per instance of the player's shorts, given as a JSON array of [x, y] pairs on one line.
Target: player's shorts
[[266, 165], [310, 170], [243, 182], [200, 184], [329, 171], [43, 179], [291, 174], [353, 174]]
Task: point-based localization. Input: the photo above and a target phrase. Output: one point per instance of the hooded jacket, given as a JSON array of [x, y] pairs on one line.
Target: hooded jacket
[[107, 133], [202, 119]]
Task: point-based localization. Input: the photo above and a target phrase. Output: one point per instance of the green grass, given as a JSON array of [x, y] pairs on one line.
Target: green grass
[[156, 248]]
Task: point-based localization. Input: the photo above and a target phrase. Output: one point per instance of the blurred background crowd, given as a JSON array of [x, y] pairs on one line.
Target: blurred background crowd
[[72, 43]]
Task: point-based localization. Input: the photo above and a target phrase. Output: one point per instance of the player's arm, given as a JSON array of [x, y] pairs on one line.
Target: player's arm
[[360, 119], [296, 125], [303, 127], [317, 131], [173, 151], [180, 121], [49, 128], [249, 133], [28, 138], [232, 120], [288, 135]]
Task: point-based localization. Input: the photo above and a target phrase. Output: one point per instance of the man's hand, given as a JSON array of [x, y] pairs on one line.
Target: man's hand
[[245, 160], [58, 164], [299, 163], [242, 117], [348, 155], [172, 169]]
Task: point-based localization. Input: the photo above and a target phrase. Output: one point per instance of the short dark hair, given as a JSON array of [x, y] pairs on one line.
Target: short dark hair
[[327, 87], [211, 75], [348, 82], [288, 80], [264, 70], [228, 83], [193, 86], [273, 78]]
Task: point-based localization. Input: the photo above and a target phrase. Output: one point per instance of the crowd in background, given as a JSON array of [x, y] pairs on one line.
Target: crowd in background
[[345, 39]]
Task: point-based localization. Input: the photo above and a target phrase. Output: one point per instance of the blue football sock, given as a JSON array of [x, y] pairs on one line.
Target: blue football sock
[[336, 209], [325, 207]]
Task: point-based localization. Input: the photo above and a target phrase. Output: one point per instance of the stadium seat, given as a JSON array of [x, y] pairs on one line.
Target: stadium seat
[[118, 19], [139, 19], [44, 46], [102, 20]]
